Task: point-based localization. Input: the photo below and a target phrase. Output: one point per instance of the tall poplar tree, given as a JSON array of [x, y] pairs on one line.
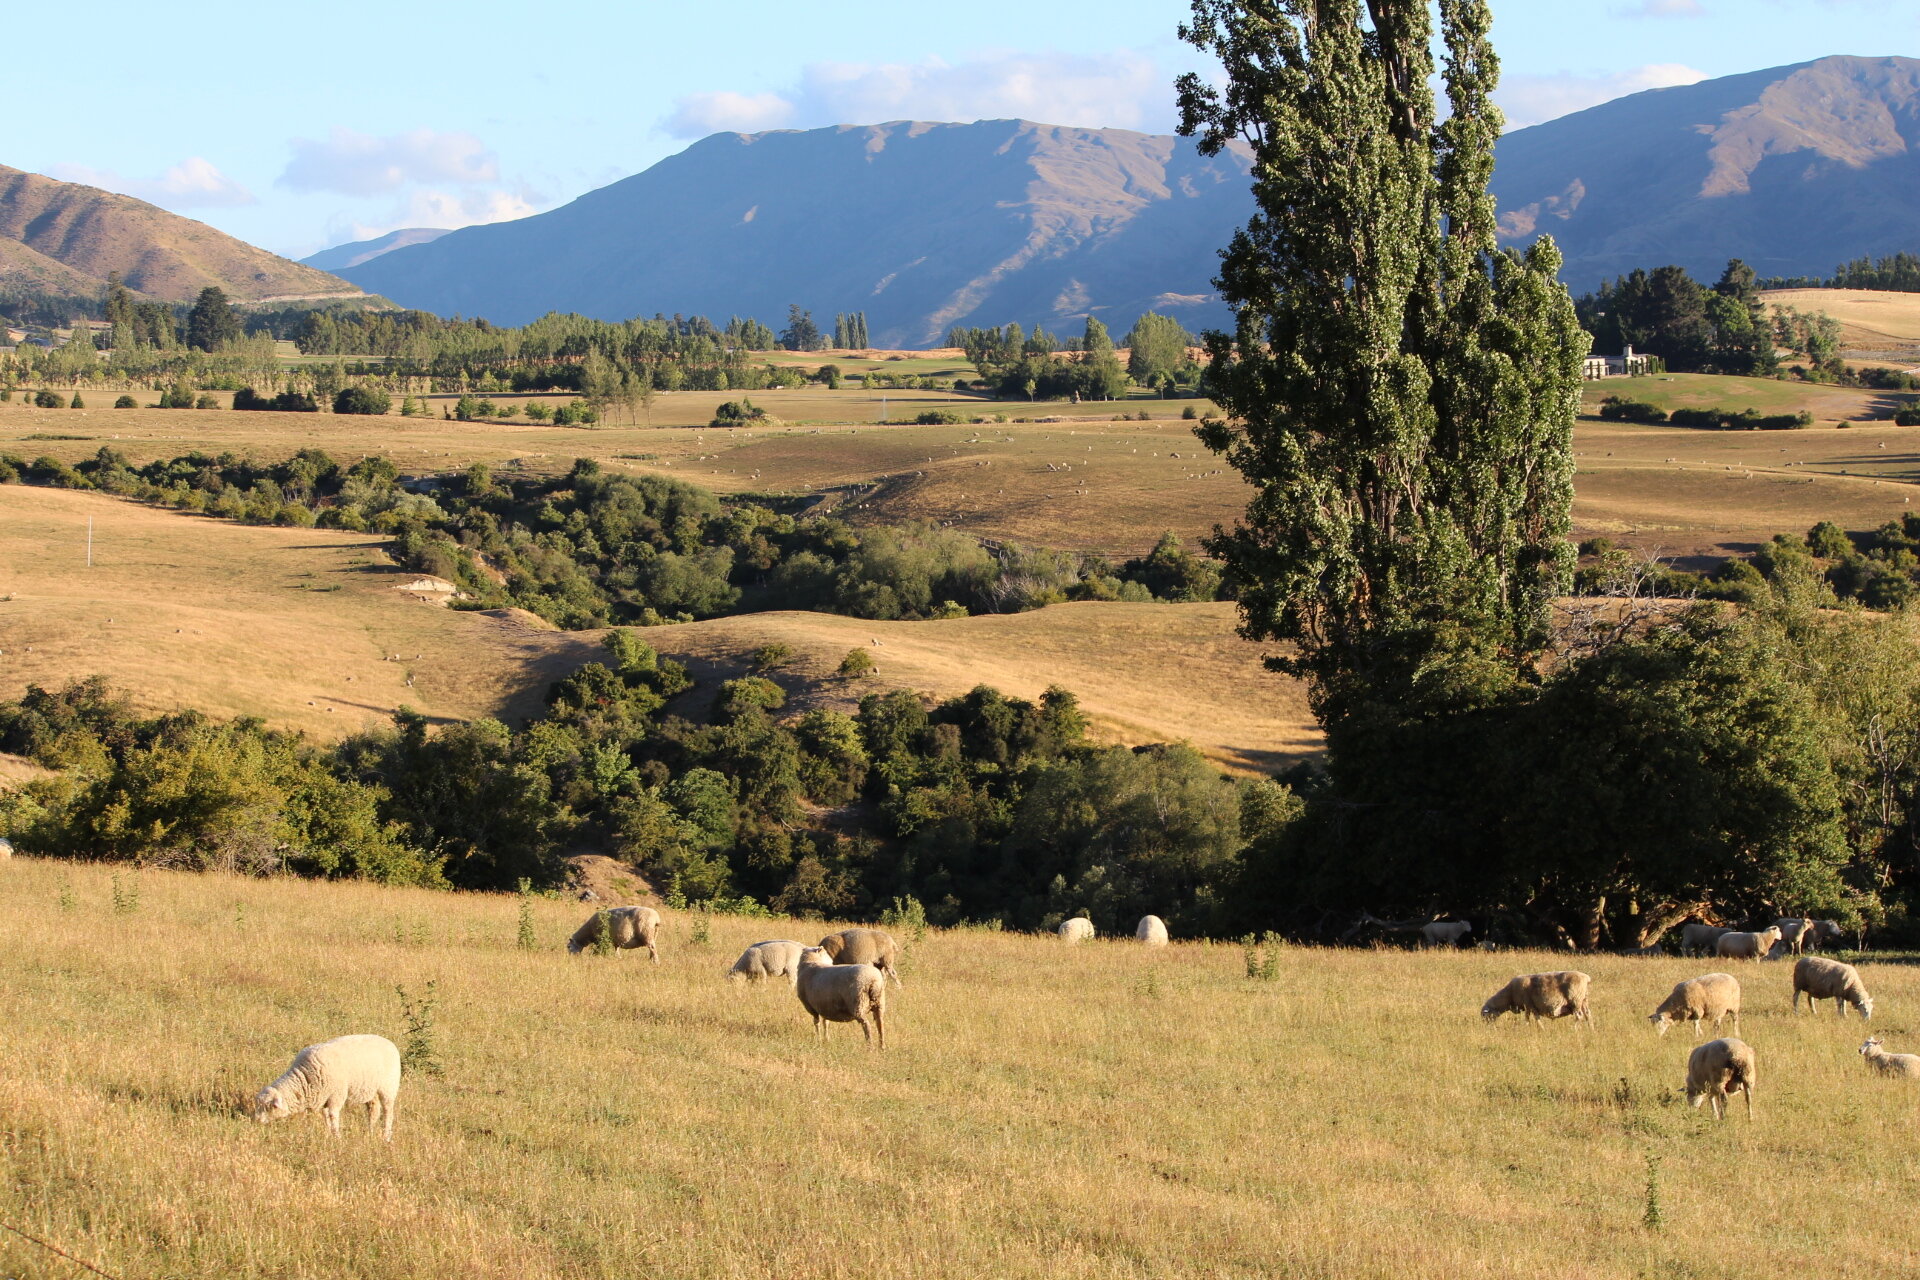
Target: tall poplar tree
[[1398, 390]]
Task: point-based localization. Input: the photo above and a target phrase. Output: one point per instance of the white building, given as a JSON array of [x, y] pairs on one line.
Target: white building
[[1625, 364]]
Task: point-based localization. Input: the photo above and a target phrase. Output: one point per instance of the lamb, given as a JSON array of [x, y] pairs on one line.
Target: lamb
[[1444, 933], [842, 993], [1542, 995], [1824, 979], [630, 926], [1746, 946], [342, 1072], [865, 946], [1700, 938], [1078, 929], [1794, 932], [1720, 1067], [779, 958], [1712, 995], [1889, 1064], [1152, 931]]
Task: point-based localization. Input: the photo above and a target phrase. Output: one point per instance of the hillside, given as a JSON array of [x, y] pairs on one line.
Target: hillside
[[922, 226], [1793, 169], [1875, 326], [352, 254], [297, 626], [162, 255]]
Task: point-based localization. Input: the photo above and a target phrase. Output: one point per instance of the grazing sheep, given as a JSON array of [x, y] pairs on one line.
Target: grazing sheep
[[1542, 995], [1889, 1064], [1152, 931], [1078, 929], [1699, 938], [842, 993], [631, 927], [776, 959], [1746, 946], [1720, 1067], [1444, 933], [326, 1077], [1712, 995], [865, 946], [1824, 979]]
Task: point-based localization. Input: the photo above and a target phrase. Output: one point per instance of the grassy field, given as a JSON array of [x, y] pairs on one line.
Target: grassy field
[[297, 626], [1103, 1111], [1873, 323]]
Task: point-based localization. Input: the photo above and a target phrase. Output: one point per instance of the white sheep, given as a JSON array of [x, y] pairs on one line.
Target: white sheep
[[1746, 946], [1700, 938], [1444, 933], [865, 946], [1542, 995], [1824, 979], [630, 926], [842, 993], [778, 958], [1795, 932], [334, 1074], [1889, 1064], [1152, 931], [1710, 996], [1720, 1067], [1078, 929]]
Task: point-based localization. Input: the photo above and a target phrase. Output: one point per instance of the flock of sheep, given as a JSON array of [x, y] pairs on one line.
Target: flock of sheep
[[844, 979], [1721, 1067]]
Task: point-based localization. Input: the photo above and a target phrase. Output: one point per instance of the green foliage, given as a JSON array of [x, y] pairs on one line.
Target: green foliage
[[603, 932], [737, 413], [361, 400], [857, 664], [126, 896], [1157, 348], [212, 324], [126, 402], [49, 400], [1261, 955], [76, 402], [1614, 409], [421, 1051], [907, 917], [771, 657]]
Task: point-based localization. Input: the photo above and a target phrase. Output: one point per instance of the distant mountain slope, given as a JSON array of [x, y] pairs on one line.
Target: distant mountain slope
[[1794, 169], [922, 226], [356, 252], [160, 254]]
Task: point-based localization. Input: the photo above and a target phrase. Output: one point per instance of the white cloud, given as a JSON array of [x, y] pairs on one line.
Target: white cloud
[[1532, 99], [1663, 9], [1124, 89], [361, 164], [431, 208], [194, 183]]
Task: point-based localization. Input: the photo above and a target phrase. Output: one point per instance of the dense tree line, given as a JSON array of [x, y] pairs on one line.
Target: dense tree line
[[593, 549], [1899, 273], [1016, 365], [983, 807]]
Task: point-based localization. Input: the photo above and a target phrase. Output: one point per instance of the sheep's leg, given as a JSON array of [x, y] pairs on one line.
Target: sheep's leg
[[387, 1101], [866, 1028], [1747, 1090], [653, 951], [331, 1111], [880, 1025], [893, 975], [1718, 1098]]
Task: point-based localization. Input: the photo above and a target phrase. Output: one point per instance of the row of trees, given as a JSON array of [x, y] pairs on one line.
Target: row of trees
[[1899, 273], [1041, 366]]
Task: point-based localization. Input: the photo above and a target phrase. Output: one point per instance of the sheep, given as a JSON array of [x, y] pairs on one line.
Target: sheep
[[1821, 932], [1444, 933], [6, 850], [1794, 933], [1542, 995], [1824, 979], [1746, 946], [630, 926], [1152, 931], [1078, 929], [865, 946], [1712, 995], [842, 993], [1700, 938], [779, 958], [337, 1073], [1889, 1064], [1720, 1067]]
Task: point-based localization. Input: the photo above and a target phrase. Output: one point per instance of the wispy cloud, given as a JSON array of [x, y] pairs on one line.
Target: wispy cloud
[[1124, 89], [1532, 99], [433, 208], [362, 164], [194, 183], [1662, 9]]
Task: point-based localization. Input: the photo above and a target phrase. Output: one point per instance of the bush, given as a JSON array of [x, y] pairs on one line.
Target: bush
[[362, 400], [77, 402], [48, 400], [734, 413], [1189, 412], [206, 402], [579, 413], [1614, 409], [1908, 417], [938, 418], [856, 664], [126, 402]]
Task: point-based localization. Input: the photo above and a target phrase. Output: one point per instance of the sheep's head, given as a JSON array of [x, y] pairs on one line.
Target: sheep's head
[[1871, 1042], [1865, 1006], [815, 957], [1495, 1006], [832, 944], [1660, 1022], [1696, 1096], [269, 1106]]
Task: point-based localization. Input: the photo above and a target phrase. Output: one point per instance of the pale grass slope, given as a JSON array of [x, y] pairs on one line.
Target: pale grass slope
[[294, 625], [1139, 1113]]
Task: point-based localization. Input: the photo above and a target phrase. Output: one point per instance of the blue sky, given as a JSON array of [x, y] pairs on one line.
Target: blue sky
[[298, 126]]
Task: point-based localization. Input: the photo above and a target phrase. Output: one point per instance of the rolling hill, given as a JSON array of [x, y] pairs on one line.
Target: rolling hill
[[62, 237], [356, 252]]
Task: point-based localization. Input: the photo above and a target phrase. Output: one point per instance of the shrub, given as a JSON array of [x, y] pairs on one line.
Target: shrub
[[362, 400], [48, 400], [769, 657], [856, 664], [1189, 412], [938, 418], [77, 402], [1614, 409], [579, 413], [206, 402], [126, 402], [734, 413], [1908, 417]]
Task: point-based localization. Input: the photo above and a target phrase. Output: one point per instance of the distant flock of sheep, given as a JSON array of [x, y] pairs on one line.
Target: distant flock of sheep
[[844, 979]]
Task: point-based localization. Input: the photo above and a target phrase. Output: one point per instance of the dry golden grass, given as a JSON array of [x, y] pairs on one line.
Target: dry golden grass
[[1870, 320], [293, 625], [1104, 1110]]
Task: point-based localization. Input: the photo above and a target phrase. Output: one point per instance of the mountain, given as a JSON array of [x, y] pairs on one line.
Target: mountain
[[1794, 169], [64, 237], [359, 251], [921, 226]]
